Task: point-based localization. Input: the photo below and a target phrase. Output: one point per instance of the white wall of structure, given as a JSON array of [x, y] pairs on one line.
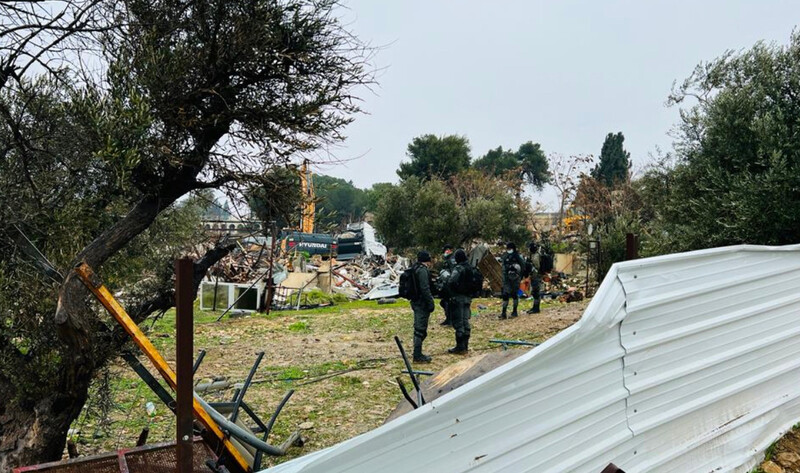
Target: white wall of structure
[[681, 363]]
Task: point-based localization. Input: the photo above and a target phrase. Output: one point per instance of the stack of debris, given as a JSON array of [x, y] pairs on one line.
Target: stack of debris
[[241, 265], [369, 278]]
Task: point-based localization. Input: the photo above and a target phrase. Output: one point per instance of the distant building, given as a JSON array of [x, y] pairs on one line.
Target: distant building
[[233, 227]]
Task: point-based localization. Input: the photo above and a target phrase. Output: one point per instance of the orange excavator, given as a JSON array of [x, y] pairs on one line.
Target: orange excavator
[[309, 206], [303, 238]]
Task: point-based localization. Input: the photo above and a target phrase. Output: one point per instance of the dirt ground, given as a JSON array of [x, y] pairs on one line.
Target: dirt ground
[[341, 361], [782, 456]]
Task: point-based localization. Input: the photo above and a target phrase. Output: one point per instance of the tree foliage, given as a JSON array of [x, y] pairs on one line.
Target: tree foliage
[[471, 206], [278, 197], [435, 157], [614, 161], [339, 201], [529, 163], [374, 194], [738, 157]]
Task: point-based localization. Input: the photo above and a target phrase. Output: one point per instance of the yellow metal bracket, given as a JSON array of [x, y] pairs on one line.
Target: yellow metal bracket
[[95, 284]]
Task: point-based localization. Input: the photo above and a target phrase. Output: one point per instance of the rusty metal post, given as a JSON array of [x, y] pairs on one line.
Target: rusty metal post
[[184, 334], [612, 468], [631, 246]]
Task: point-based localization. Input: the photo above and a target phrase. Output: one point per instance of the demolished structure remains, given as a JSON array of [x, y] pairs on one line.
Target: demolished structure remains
[[260, 274]]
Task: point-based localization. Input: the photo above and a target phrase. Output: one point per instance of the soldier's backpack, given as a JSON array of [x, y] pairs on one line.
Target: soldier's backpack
[[408, 284], [528, 269], [470, 282], [546, 261]]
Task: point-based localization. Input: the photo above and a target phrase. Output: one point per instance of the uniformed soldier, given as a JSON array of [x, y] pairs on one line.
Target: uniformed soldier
[[422, 305], [513, 264], [460, 303], [448, 263], [535, 259]]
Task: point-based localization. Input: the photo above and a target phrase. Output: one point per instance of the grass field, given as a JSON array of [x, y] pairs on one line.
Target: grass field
[[341, 361]]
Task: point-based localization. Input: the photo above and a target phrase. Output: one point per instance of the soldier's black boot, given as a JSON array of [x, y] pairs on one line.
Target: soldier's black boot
[[535, 309], [505, 309], [466, 343], [459, 348], [514, 310], [418, 356], [448, 322]]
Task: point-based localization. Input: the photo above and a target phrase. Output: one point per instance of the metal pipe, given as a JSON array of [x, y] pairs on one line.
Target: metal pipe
[[514, 342], [238, 432], [405, 392], [149, 379], [199, 360], [103, 295], [506, 343], [213, 386], [184, 333], [268, 429], [423, 373], [277, 411], [420, 399], [214, 301], [243, 390]]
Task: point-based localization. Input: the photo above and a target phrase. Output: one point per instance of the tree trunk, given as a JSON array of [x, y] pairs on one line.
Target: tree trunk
[[35, 431]]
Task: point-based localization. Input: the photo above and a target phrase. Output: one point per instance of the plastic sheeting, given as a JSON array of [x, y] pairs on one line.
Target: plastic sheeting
[[681, 363]]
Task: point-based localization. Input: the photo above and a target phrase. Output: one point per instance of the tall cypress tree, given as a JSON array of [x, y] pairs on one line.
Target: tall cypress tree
[[614, 161]]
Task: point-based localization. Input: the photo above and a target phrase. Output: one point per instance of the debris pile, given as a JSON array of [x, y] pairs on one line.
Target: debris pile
[[242, 264], [369, 278]]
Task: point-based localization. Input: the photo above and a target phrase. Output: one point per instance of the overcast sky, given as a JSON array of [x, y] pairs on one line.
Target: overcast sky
[[560, 73]]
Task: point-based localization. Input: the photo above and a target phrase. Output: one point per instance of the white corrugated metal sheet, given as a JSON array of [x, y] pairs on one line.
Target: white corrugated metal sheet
[[681, 363]]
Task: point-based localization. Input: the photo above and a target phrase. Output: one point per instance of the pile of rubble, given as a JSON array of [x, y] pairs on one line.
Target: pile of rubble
[[300, 280], [365, 277], [369, 278], [242, 264]]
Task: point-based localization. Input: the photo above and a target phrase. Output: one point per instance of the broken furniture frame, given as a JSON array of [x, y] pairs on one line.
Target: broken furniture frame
[[96, 286], [412, 375], [233, 407], [203, 412]]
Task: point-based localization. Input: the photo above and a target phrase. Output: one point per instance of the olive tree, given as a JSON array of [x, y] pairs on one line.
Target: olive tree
[[97, 158]]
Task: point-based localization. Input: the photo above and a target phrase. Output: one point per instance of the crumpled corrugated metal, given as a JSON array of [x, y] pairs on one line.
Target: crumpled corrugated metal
[[681, 363]]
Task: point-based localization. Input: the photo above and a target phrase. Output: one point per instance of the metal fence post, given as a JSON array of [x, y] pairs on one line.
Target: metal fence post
[[631, 246], [184, 333]]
